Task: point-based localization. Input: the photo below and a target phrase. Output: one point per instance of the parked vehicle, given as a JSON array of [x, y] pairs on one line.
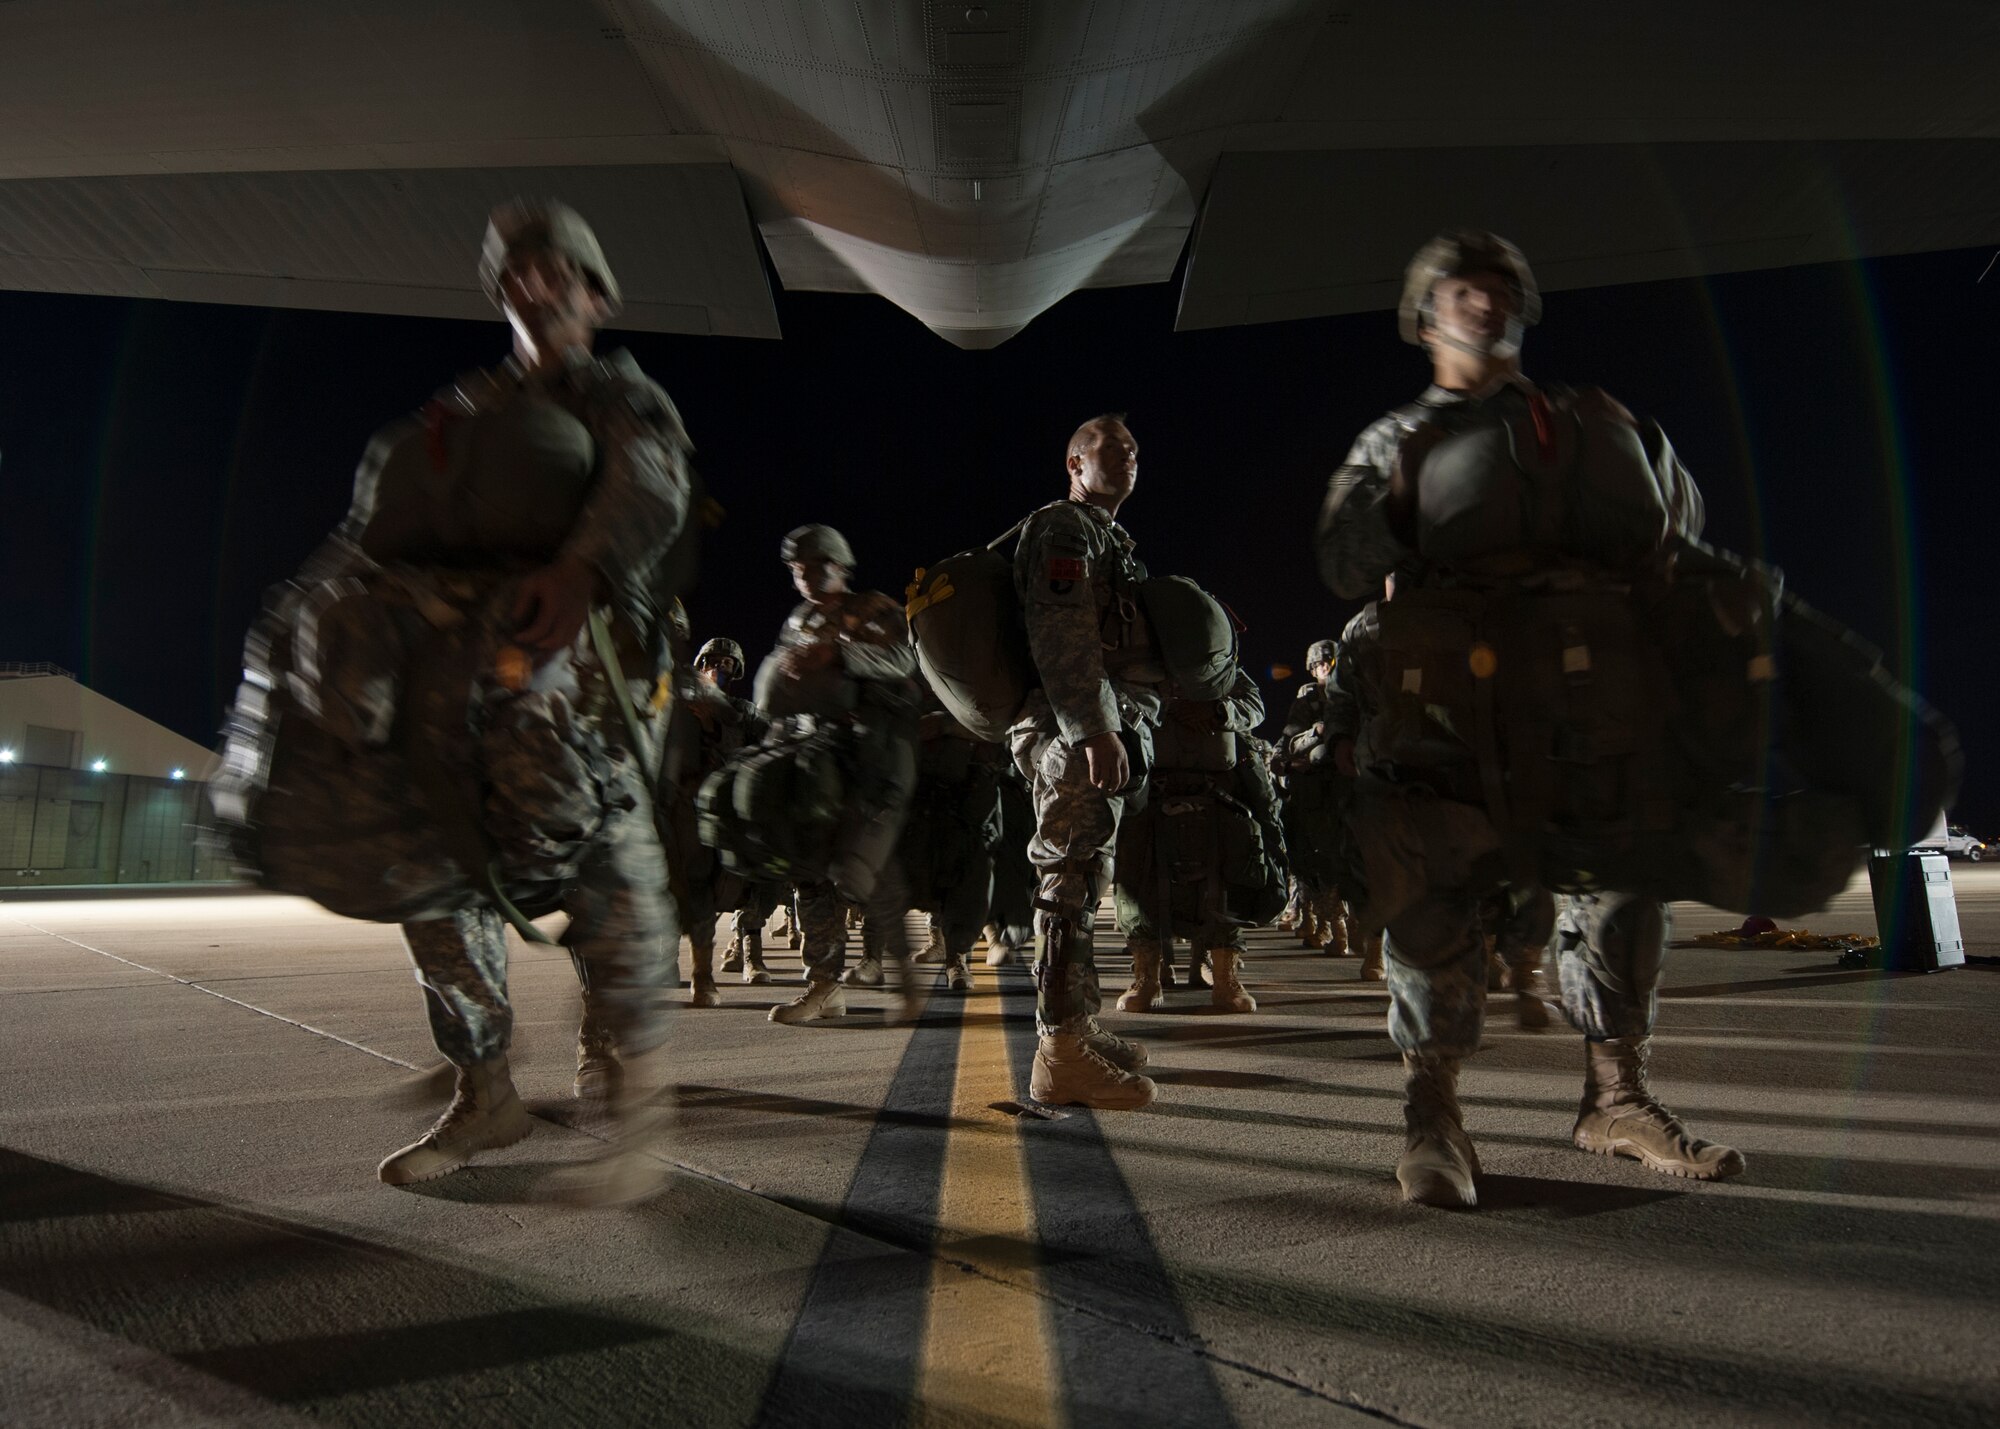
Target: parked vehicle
[[1955, 842]]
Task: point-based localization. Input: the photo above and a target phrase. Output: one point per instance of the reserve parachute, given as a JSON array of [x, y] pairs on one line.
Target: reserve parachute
[[1574, 475], [1194, 635]]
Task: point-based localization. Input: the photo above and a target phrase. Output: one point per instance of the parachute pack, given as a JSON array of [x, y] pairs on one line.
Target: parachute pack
[[966, 619], [965, 616], [1704, 736], [1574, 474], [769, 812]]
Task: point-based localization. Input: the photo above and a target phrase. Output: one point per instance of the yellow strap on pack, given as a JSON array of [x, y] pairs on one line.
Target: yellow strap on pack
[[917, 599]]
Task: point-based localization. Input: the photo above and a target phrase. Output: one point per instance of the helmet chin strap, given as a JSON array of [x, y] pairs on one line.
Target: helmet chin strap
[[1504, 347]]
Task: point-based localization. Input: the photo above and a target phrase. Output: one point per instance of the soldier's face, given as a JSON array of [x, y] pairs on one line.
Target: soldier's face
[[549, 301], [1104, 461], [1320, 670], [819, 581], [716, 672], [1475, 312]]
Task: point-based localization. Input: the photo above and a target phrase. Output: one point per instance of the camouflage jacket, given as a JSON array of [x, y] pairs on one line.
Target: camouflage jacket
[[1073, 570]]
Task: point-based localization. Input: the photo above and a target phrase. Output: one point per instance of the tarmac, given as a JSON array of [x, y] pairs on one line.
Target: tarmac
[[866, 1229]]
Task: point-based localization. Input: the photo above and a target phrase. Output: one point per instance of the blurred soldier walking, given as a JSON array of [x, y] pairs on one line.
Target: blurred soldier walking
[[1083, 738], [466, 736], [705, 725], [844, 663], [1467, 299], [1563, 689]]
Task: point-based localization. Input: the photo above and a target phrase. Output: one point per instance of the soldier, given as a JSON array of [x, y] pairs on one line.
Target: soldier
[[844, 660], [1083, 739], [1466, 301], [1301, 747], [1011, 918], [946, 851], [466, 735], [707, 725], [1206, 837]]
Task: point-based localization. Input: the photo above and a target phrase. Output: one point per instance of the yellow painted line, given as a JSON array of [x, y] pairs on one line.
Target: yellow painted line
[[988, 1354]]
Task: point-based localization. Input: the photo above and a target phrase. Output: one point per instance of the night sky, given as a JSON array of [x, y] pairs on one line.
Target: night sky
[[161, 463]]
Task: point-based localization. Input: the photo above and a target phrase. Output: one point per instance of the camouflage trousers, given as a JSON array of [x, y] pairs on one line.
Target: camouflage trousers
[[620, 937], [823, 923], [1076, 830], [760, 901], [1609, 952]]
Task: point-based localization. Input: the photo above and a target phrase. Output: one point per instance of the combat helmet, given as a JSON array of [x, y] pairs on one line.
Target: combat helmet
[[721, 652], [817, 543], [1453, 254], [1321, 652], [542, 223]]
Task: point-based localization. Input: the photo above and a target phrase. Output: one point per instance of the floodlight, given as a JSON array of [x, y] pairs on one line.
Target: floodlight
[[98, 766]]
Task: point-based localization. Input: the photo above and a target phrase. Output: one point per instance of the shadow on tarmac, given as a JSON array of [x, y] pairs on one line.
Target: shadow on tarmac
[[359, 1332]]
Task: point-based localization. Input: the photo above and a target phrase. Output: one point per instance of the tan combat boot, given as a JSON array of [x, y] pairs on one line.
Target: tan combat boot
[[1068, 1072], [1311, 935], [1438, 1165], [1145, 988], [999, 951], [1371, 959], [932, 951], [633, 1166], [732, 961], [1196, 958], [1524, 975], [1335, 929], [485, 1114], [701, 976], [957, 976], [754, 971], [1120, 1052], [1619, 1117], [1227, 994], [597, 1069], [822, 998]]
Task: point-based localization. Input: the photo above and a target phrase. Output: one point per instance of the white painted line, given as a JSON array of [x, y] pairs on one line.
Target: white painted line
[[220, 996]]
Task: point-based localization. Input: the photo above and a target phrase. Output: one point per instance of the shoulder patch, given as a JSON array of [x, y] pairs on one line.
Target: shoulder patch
[[1066, 568]]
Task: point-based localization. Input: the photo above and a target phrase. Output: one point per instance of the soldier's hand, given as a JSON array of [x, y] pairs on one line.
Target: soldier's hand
[[552, 604], [1343, 757], [1104, 755]]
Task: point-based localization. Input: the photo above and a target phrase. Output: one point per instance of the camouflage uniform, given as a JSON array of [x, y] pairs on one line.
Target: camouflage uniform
[[872, 685], [1011, 914], [705, 725], [1305, 753], [1432, 853], [1073, 570], [1195, 737], [535, 772], [946, 849]]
